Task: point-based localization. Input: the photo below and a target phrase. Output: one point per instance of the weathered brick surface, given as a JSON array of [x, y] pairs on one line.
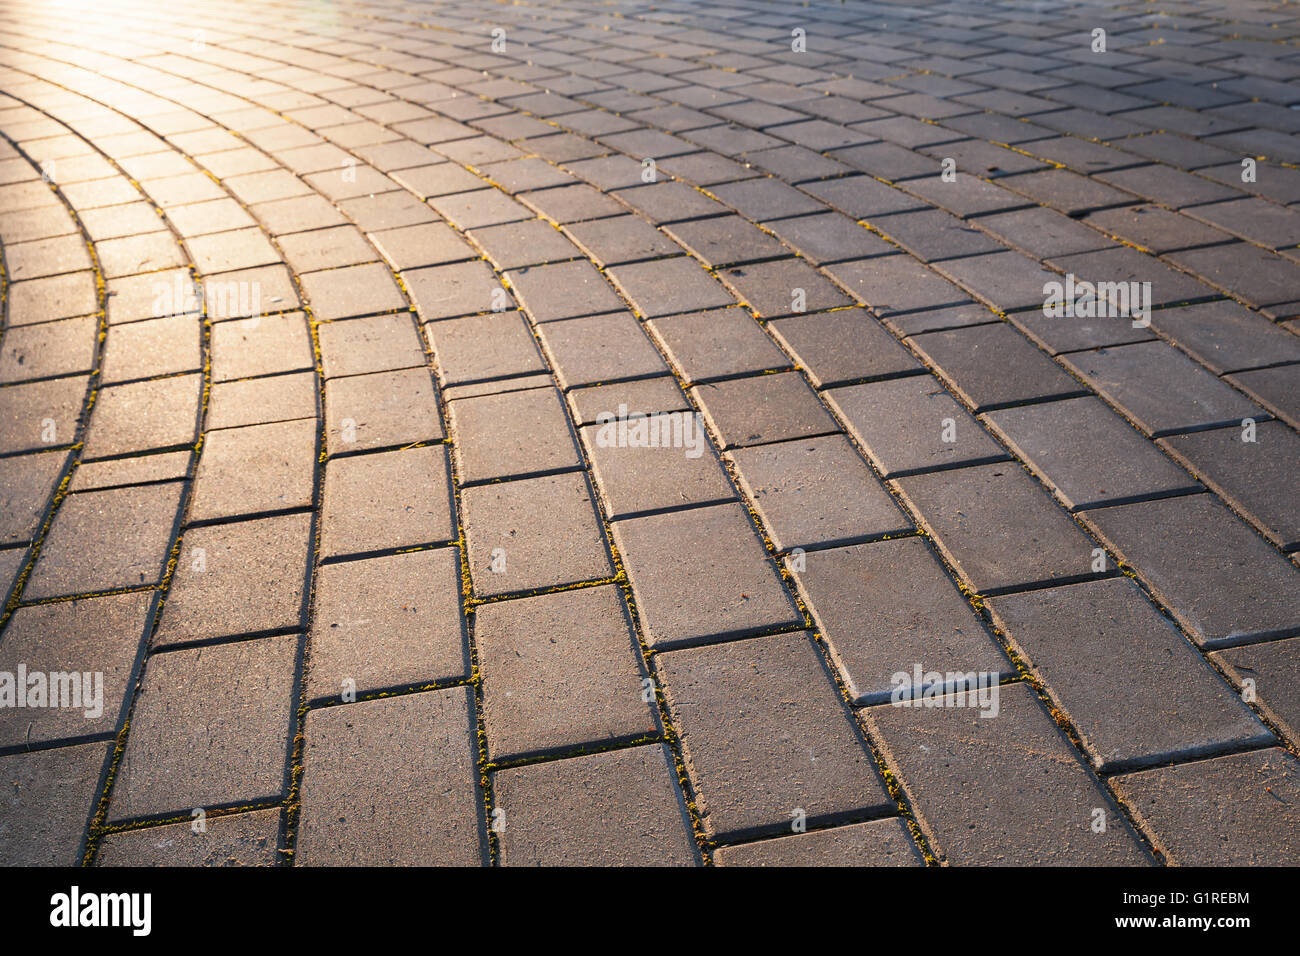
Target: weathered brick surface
[[766, 738], [1237, 810], [878, 843], [299, 326], [617, 808], [209, 729], [965, 776], [1105, 632], [391, 782]]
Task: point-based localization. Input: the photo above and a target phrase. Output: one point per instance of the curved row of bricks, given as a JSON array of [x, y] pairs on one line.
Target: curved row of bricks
[[516, 464]]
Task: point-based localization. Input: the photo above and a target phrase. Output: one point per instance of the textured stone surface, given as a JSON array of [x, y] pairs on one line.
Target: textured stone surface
[[1220, 581], [965, 775], [1238, 810], [878, 843], [211, 727], [608, 809], [525, 651], [390, 782], [1106, 632], [337, 321], [886, 607], [766, 737], [241, 839], [701, 575]]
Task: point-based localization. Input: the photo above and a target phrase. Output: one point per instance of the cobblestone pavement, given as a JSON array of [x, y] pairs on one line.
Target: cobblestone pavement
[[549, 433]]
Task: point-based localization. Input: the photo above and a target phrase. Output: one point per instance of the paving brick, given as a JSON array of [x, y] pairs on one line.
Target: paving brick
[[911, 425], [240, 839], [27, 484], [1226, 337], [997, 528], [1256, 477], [876, 627], [932, 234], [641, 397], [102, 637], [533, 242], [484, 347], [156, 347], [563, 291], [620, 239], [763, 408], [387, 622], [1006, 281], [211, 727], [621, 807], [1272, 668], [1040, 231], [525, 652], [464, 288], [1160, 389], [381, 410], [1237, 810], [160, 413], [47, 804], [423, 244], [226, 251], [378, 343], [877, 843], [259, 401], [711, 345], [1256, 276], [512, 434], [785, 287], [352, 290], [31, 352], [1275, 389], [668, 287], [661, 462], [542, 532], [208, 594], [56, 297], [1086, 454], [829, 237], [1106, 633], [816, 492], [725, 241], [1067, 191], [599, 348], [120, 472], [390, 782], [862, 196], [1218, 579], [718, 582], [843, 346], [894, 284], [386, 500], [765, 736], [104, 540], [259, 468], [266, 345], [965, 778]]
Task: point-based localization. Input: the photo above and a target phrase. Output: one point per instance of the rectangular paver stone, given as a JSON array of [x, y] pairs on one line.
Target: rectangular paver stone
[[766, 737], [701, 575], [966, 778], [390, 782], [1087, 638]]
